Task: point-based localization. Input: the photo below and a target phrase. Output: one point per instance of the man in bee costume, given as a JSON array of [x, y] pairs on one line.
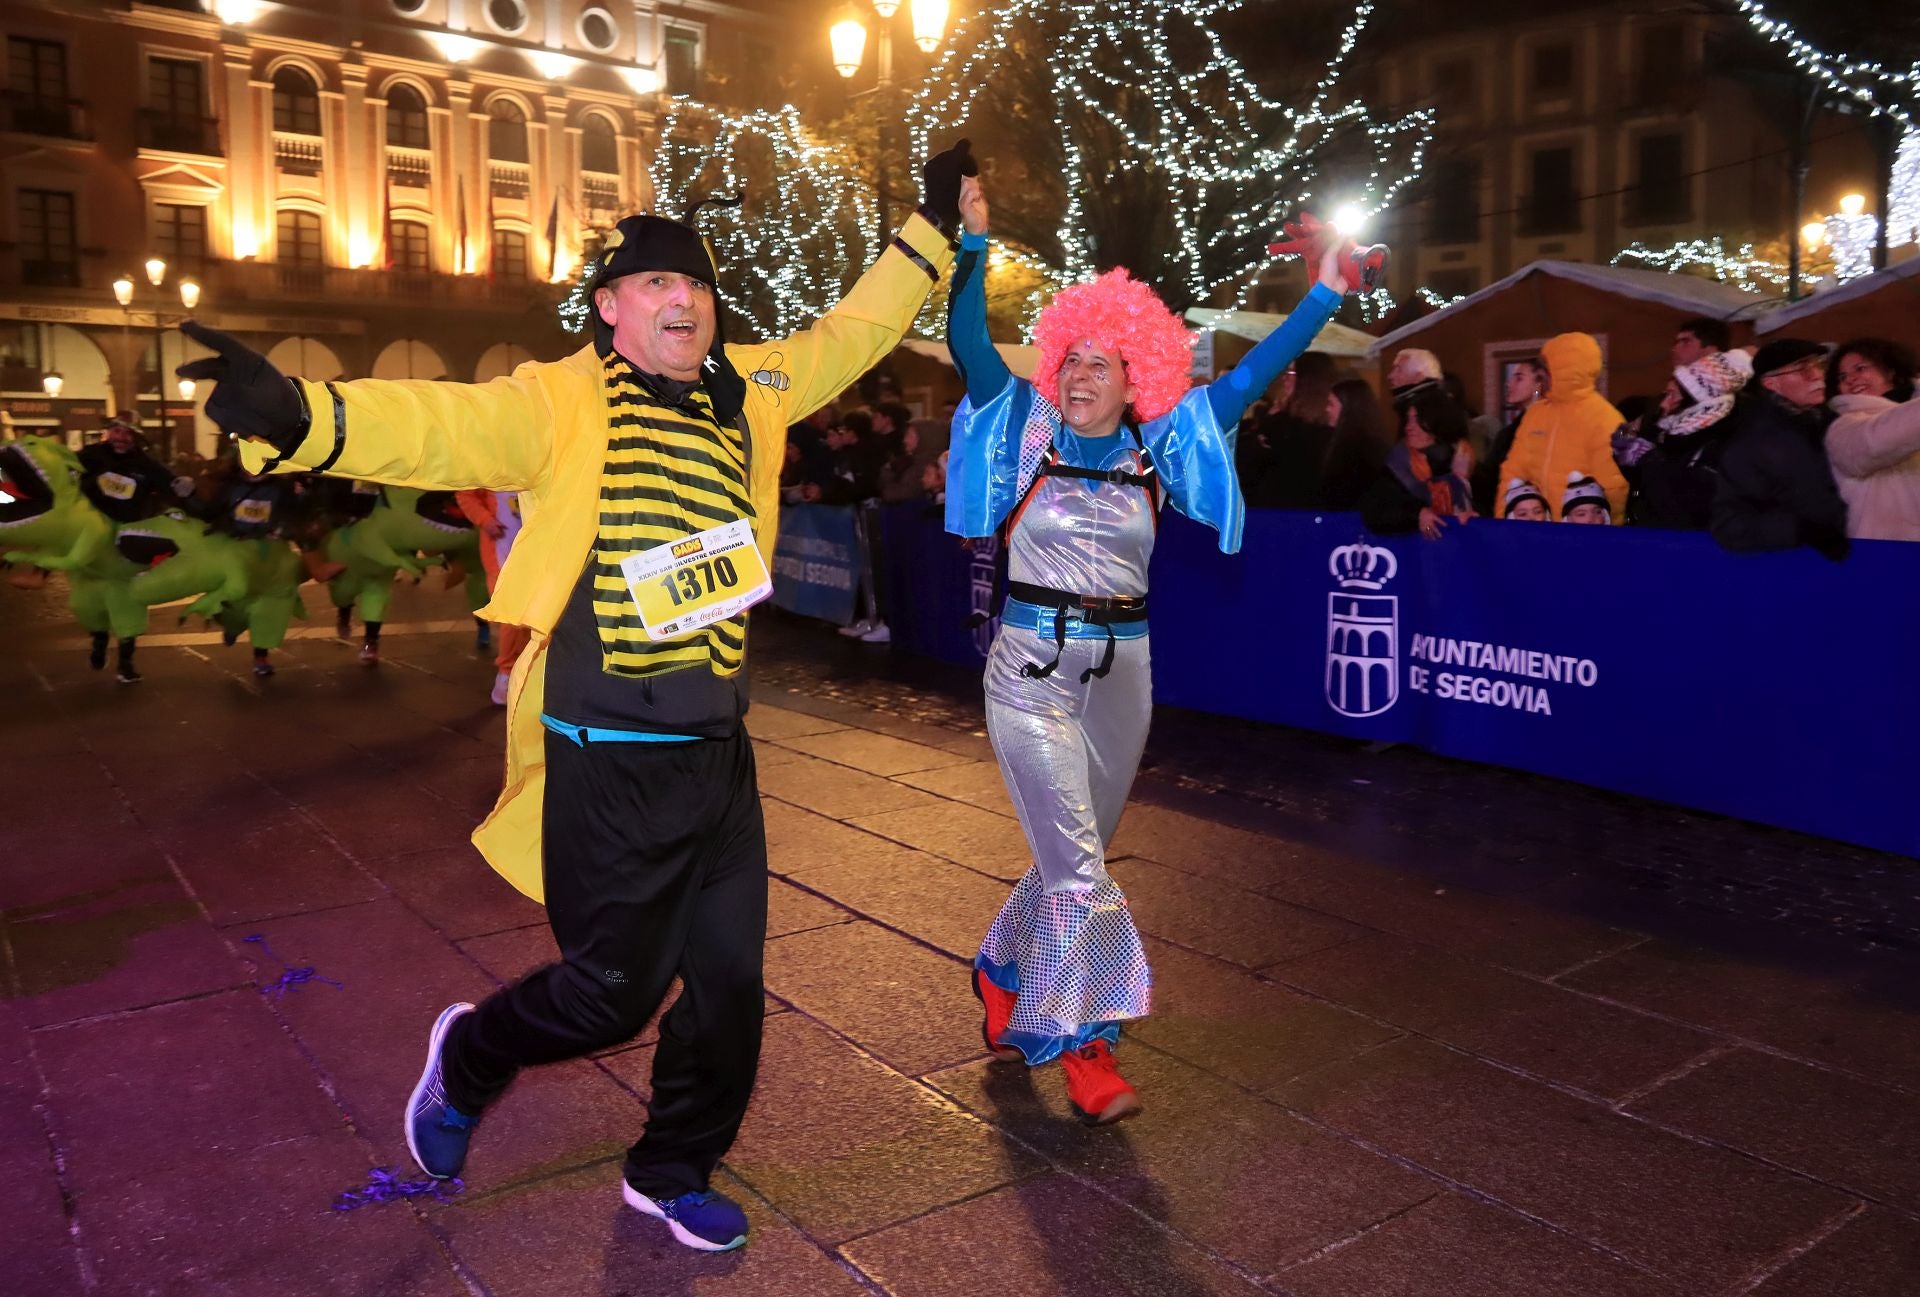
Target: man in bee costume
[[630, 804]]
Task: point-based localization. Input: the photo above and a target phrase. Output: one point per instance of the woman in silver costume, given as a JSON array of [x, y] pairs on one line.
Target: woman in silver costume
[[1075, 467]]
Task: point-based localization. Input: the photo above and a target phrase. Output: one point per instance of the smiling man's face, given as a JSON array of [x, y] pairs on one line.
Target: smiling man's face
[[662, 321]]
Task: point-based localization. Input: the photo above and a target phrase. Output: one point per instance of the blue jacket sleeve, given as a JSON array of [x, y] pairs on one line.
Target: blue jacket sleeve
[[1193, 456], [1233, 392], [980, 366]]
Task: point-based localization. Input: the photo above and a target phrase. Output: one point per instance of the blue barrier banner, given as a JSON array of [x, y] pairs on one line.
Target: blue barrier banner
[[935, 583], [816, 561], [1779, 688]]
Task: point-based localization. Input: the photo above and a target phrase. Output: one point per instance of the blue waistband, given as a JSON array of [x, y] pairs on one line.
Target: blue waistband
[[1039, 620], [585, 734]]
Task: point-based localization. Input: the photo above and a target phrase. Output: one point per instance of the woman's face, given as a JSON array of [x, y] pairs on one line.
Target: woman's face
[[1523, 384], [910, 440], [1334, 407], [1861, 377], [1528, 510], [1094, 390], [1672, 398], [1418, 438]]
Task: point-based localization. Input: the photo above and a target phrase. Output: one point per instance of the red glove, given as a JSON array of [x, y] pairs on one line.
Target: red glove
[[1361, 269]]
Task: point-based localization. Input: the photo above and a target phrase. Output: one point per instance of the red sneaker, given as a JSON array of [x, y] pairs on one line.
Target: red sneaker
[[1099, 1093], [999, 1006]]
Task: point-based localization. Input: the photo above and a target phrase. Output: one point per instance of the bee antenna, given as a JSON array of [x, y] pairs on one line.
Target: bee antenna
[[734, 199]]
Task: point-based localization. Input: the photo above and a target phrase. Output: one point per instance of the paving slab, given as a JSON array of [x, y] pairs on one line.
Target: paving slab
[[978, 783], [1233, 1023], [368, 1035], [907, 1004], [453, 888], [1218, 919], [1700, 1216], [375, 824], [790, 910], [843, 1145], [924, 896], [1456, 1246], [264, 864], [277, 1231], [1875, 1254], [509, 956], [766, 721], [551, 1119], [1207, 847], [1227, 1170], [1836, 1017], [1050, 1237], [572, 1234], [186, 1085], [1838, 1130], [837, 791], [966, 835], [877, 754], [115, 948], [1546, 1030], [799, 841]]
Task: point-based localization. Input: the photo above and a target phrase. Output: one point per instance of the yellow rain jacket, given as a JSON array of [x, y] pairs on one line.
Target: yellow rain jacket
[[1570, 429], [543, 431]]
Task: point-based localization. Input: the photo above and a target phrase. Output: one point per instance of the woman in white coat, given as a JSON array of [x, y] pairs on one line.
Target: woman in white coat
[[1873, 443]]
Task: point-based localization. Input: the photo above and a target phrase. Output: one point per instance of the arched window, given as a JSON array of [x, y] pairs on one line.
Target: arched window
[[406, 118], [599, 147], [299, 238], [296, 102], [407, 246], [506, 131], [509, 254]]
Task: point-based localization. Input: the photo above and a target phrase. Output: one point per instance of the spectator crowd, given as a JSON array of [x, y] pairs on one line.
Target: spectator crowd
[[1792, 443]]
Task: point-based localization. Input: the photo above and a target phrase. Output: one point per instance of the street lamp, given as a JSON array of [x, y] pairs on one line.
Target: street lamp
[[51, 383], [847, 38], [1813, 234], [123, 292], [186, 387]]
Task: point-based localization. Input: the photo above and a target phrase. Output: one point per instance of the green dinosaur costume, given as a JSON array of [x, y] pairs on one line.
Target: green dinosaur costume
[[47, 522], [406, 524]]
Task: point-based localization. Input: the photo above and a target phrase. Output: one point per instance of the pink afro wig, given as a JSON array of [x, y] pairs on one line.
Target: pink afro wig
[[1122, 315]]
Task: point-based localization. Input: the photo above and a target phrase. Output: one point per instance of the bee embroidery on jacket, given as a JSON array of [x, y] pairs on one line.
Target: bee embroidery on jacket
[[772, 379]]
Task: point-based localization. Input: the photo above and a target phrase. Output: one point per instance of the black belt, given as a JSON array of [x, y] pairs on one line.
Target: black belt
[[1097, 610]]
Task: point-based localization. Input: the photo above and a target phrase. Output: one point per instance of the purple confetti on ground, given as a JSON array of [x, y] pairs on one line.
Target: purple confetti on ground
[[292, 978], [384, 1186]]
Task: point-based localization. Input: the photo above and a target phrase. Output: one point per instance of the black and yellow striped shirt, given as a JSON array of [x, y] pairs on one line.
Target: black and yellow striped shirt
[[671, 471]]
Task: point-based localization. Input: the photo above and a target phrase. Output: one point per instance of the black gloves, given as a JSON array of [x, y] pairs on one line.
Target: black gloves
[[250, 397], [940, 184]]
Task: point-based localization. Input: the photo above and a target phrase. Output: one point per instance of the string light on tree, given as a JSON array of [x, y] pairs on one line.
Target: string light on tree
[[1851, 233], [801, 237], [1156, 126], [1744, 268], [1874, 87]]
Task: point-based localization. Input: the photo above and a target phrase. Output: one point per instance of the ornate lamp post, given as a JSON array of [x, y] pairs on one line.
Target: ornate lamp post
[[848, 40], [123, 292]]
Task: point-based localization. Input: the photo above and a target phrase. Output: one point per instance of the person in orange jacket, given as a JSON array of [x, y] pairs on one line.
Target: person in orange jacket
[[497, 515], [1570, 430]]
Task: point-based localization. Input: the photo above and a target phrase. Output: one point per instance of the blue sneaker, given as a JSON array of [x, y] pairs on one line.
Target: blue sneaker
[[707, 1220], [437, 1132]]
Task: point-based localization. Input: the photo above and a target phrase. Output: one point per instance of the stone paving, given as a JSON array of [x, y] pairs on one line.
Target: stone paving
[[1376, 1069]]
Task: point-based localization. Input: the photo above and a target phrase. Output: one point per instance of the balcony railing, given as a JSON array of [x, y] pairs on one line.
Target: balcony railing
[[599, 192], [64, 119], [173, 134], [298, 155], [510, 179], [409, 168], [234, 284]]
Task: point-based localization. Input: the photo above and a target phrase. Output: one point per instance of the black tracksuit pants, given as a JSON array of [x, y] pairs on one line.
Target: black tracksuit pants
[[655, 864]]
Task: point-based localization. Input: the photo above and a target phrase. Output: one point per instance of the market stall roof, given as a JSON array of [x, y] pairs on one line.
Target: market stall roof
[[1020, 358], [1334, 340], [1903, 278], [1688, 293]]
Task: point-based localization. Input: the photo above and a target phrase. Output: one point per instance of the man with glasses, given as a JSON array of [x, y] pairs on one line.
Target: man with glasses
[[1775, 490]]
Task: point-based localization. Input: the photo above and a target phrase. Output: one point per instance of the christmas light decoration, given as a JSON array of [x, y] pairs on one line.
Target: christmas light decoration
[[1903, 192], [802, 236], [1877, 89], [1744, 268], [1225, 162], [1851, 235]]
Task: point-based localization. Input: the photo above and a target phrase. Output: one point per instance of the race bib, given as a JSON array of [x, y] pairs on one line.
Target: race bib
[[684, 585], [117, 486], [254, 513]]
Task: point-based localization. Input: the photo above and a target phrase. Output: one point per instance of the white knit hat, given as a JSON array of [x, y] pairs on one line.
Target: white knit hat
[[1582, 489]]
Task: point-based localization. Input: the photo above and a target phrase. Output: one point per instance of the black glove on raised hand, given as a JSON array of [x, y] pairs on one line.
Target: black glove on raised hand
[[940, 184], [250, 397]]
